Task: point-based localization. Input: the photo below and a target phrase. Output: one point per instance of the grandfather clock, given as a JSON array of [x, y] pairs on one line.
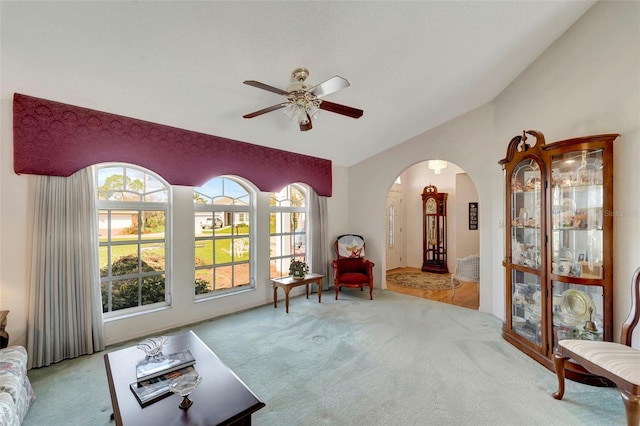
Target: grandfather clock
[[434, 230]]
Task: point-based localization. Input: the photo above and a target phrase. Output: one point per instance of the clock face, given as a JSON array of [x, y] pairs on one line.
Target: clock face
[[431, 206]]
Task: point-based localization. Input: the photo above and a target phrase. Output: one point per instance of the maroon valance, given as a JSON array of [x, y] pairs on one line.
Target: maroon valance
[[56, 139]]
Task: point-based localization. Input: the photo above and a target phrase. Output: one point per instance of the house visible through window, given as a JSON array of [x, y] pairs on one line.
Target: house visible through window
[[133, 208], [223, 208], [287, 228]]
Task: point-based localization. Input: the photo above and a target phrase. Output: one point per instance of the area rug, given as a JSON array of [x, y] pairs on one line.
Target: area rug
[[422, 280]]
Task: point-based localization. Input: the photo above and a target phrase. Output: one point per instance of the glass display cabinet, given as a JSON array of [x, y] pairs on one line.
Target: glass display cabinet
[[559, 252]]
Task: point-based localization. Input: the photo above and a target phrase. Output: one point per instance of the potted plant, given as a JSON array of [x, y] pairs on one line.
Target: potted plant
[[298, 269]]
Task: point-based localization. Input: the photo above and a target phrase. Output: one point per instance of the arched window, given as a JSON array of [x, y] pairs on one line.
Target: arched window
[[287, 228], [133, 211], [223, 212]]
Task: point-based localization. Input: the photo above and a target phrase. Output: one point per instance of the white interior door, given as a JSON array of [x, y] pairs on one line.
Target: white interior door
[[395, 230]]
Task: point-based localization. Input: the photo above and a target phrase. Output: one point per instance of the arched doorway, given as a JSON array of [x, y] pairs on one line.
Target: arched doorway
[[403, 218]]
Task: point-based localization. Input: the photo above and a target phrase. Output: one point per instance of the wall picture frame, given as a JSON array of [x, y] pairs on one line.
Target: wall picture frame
[[473, 216]]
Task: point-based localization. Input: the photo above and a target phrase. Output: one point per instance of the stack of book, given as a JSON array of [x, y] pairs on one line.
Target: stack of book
[[154, 375]]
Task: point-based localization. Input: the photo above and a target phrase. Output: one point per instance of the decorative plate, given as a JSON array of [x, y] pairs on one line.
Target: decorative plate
[[576, 304]]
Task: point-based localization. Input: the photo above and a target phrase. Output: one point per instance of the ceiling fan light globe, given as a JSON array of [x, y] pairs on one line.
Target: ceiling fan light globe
[[312, 110], [296, 112], [289, 111]]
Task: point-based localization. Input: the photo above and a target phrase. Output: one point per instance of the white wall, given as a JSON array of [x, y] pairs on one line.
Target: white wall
[[464, 141], [16, 211], [586, 83], [466, 241]]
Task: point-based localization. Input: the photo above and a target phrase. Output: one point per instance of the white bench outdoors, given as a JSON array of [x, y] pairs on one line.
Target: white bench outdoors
[[618, 362]]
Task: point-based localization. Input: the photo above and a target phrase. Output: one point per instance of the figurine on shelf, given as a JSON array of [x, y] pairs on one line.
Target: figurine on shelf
[[533, 184], [516, 185], [590, 328]]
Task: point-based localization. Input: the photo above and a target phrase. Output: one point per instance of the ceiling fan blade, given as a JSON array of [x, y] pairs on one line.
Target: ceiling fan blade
[[330, 86], [265, 87], [308, 126], [263, 111], [341, 109]]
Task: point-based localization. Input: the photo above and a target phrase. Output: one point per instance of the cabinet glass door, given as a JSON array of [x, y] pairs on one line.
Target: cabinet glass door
[[577, 312], [526, 214], [526, 299], [577, 214]]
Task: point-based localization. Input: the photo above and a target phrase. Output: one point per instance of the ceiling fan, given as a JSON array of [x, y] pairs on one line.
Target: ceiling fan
[[304, 101]]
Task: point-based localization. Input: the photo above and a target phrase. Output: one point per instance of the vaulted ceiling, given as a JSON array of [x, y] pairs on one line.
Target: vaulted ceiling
[[411, 65]]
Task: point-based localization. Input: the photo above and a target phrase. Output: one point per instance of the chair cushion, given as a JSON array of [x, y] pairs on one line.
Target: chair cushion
[[353, 278], [618, 359], [352, 265]]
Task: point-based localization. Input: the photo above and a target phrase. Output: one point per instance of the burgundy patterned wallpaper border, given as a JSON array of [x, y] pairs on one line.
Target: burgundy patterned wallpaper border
[[56, 139]]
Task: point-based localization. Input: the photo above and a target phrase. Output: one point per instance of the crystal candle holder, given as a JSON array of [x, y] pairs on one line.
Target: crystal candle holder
[[183, 386]]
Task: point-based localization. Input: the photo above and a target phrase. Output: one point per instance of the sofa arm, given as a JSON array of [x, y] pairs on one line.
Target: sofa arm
[[8, 413], [13, 370]]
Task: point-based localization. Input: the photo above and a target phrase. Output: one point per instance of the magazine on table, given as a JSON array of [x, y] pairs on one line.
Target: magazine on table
[[157, 366], [152, 390]]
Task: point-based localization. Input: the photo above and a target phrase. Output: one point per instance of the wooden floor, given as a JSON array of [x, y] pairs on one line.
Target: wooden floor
[[466, 296]]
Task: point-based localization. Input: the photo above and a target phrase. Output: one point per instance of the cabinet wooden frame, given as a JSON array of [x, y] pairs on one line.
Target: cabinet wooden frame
[[541, 271]]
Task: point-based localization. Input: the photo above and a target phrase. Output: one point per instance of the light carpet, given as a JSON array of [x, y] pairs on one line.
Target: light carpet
[[393, 360], [422, 280]]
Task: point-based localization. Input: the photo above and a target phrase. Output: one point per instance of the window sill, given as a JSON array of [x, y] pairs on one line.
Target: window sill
[[208, 297], [138, 311]]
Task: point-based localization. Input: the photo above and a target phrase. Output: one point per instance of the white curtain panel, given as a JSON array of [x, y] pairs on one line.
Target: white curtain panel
[[319, 250], [65, 308]]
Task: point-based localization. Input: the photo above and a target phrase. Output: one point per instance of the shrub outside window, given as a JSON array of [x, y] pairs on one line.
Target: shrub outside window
[[223, 208], [133, 210], [288, 228]]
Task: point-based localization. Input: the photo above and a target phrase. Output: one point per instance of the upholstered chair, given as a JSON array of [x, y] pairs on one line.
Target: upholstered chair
[[351, 269]]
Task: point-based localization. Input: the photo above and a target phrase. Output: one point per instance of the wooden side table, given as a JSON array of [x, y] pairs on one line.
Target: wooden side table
[[287, 283]]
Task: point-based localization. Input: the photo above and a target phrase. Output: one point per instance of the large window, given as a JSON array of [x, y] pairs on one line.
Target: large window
[[223, 208], [287, 228], [133, 206]]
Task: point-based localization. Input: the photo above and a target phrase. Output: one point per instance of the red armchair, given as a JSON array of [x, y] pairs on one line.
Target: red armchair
[[351, 269]]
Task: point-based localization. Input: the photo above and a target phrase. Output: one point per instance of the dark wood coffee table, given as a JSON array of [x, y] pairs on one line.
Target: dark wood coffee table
[[220, 399]]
